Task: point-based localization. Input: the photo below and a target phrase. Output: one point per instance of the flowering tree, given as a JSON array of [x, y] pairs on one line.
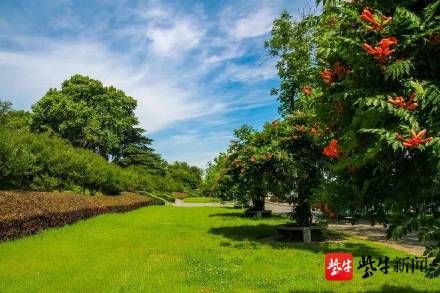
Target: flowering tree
[[254, 166], [284, 159], [372, 69]]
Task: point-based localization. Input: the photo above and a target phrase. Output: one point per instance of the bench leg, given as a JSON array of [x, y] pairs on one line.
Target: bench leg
[[307, 235]]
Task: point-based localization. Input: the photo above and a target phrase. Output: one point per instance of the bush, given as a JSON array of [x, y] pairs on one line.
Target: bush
[[42, 162], [28, 213]]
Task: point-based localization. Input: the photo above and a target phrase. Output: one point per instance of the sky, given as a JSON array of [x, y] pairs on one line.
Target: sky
[[198, 69]]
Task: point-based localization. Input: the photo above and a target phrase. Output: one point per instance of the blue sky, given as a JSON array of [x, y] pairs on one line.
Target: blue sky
[[198, 69]]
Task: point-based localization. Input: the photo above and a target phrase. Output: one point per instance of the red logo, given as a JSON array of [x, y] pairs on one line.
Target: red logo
[[338, 266]]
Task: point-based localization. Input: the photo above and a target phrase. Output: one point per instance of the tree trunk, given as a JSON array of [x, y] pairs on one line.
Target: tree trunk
[[303, 214], [258, 203]]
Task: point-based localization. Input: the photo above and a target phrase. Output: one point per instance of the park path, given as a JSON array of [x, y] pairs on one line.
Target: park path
[[181, 203], [377, 233]]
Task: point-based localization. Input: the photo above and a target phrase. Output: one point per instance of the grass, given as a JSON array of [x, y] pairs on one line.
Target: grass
[[201, 199], [171, 249]]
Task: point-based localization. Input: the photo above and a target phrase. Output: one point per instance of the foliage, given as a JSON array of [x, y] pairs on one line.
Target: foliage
[[45, 162], [25, 213], [139, 153], [5, 107], [97, 118], [374, 78], [189, 177], [284, 159], [212, 174], [41, 162]]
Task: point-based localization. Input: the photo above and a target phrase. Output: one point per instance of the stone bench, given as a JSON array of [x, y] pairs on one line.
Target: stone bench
[[290, 232]]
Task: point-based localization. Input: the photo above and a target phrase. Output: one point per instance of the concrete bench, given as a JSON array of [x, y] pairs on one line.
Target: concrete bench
[[290, 231]]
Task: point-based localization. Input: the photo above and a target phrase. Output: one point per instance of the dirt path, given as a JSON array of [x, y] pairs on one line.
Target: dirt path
[[409, 244], [181, 203], [278, 208]]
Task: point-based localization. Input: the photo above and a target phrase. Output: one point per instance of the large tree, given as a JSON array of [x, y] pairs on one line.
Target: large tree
[[373, 69], [283, 159], [98, 118]]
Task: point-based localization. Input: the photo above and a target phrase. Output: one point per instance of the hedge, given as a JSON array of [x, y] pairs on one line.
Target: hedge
[[26, 213]]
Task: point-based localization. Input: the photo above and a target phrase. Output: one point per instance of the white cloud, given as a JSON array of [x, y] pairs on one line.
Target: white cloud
[[181, 36], [176, 60], [197, 148], [232, 51], [168, 33], [256, 23], [249, 73], [162, 98]]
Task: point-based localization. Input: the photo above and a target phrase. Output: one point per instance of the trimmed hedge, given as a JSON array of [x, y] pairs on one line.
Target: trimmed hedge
[[180, 195], [26, 213]]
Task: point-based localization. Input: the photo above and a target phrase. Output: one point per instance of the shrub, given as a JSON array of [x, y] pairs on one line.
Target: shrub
[[30, 212]]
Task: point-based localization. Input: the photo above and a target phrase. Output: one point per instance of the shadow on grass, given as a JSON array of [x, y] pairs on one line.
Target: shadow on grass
[[384, 288], [228, 215], [392, 288], [266, 234], [240, 214]]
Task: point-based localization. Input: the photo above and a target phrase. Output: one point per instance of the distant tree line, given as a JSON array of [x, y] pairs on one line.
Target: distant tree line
[[84, 136]]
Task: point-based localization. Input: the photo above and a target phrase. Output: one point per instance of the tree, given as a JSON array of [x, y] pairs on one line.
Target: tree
[[91, 116], [374, 76], [189, 176], [137, 151], [212, 175], [14, 119], [284, 159], [5, 107]]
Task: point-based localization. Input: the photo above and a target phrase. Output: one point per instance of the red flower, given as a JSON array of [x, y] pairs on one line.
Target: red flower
[[341, 69], [332, 150], [327, 76], [381, 52], [415, 140], [307, 90], [385, 43], [400, 102], [368, 16]]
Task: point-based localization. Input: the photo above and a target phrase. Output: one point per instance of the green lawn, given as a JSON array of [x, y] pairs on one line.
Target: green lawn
[[170, 249], [201, 199]]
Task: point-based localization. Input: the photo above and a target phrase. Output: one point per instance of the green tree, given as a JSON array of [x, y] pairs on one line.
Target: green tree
[[137, 151], [374, 76], [189, 176], [284, 159], [90, 116], [213, 174], [5, 107]]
